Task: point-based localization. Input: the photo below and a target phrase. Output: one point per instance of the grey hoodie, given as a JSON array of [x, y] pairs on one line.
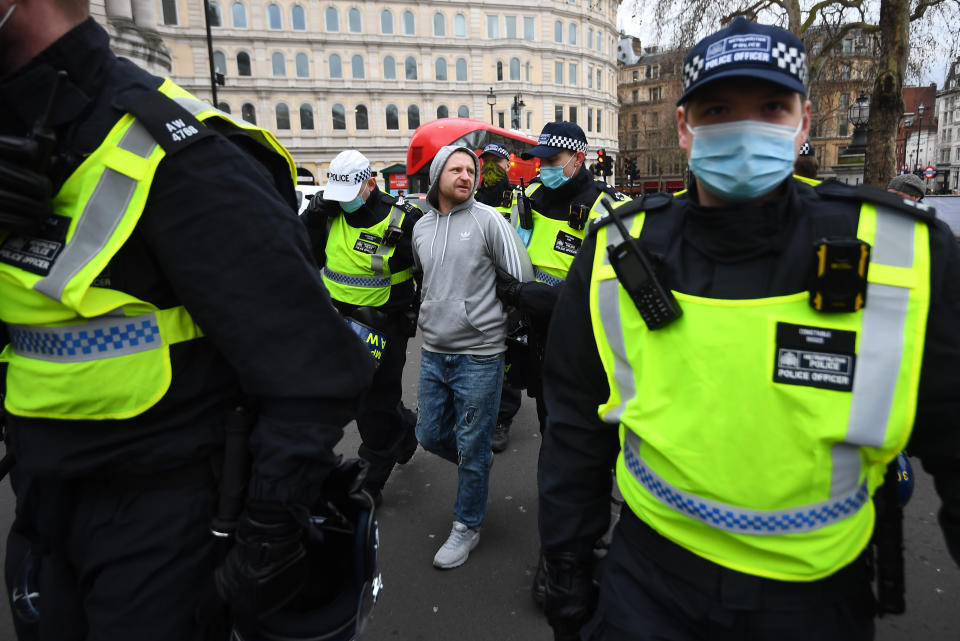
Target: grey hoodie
[[458, 254]]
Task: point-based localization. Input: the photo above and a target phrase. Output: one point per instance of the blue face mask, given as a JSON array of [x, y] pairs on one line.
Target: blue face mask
[[353, 205], [553, 177], [742, 160]]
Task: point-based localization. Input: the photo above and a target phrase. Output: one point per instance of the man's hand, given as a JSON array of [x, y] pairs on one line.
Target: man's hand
[[571, 596], [25, 189]]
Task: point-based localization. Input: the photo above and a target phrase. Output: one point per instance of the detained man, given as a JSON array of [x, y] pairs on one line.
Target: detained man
[[458, 246]]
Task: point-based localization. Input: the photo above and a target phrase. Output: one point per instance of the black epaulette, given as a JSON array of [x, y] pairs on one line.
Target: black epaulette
[[172, 127], [648, 203], [610, 190], [868, 193]]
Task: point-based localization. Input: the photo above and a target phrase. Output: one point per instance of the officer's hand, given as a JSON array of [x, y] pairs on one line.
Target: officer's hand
[[571, 596], [322, 207], [266, 567], [538, 299], [508, 288], [25, 190]]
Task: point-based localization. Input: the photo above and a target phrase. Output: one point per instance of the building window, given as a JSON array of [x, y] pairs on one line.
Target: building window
[[500, 119], [169, 8], [845, 72], [558, 72], [635, 95], [443, 112], [848, 45], [248, 113], [599, 83], [409, 26], [654, 93], [225, 108], [298, 19], [558, 112], [493, 26], [598, 121], [589, 120], [339, 117], [558, 31], [410, 68], [572, 35], [332, 19], [461, 69], [219, 62], [360, 117], [239, 16], [526, 72], [463, 111], [633, 121], [529, 119], [303, 65], [386, 21], [336, 69], [499, 71], [356, 67], [441, 69], [306, 116], [636, 75], [243, 63], [393, 117], [528, 28], [459, 26], [283, 116], [510, 24], [573, 115], [514, 68], [216, 18], [439, 25], [589, 38], [274, 17], [278, 64], [389, 68], [589, 78], [413, 117], [572, 76], [353, 21]]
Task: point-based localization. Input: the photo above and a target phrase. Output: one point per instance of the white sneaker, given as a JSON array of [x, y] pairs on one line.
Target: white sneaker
[[457, 547]]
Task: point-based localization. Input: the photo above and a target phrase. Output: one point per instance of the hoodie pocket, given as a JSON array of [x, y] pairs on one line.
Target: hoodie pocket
[[446, 323]]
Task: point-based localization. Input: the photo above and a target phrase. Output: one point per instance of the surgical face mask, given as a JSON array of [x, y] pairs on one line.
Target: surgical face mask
[[493, 173], [742, 160], [353, 205], [553, 177]]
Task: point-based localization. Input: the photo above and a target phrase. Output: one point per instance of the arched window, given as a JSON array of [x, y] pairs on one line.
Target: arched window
[[219, 62], [243, 63], [278, 63], [353, 18], [216, 18], [386, 21], [461, 69], [339, 117], [298, 18], [336, 70], [224, 107], [283, 116], [393, 118], [410, 68], [409, 26], [558, 31], [514, 68], [274, 17], [389, 68], [441, 68], [413, 117], [572, 34], [499, 70], [439, 25], [239, 15], [306, 116], [463, 111], [443, 112], [459, 26], [248, 113], [303, 65], [356, 67], [332, 18], [360, 117]]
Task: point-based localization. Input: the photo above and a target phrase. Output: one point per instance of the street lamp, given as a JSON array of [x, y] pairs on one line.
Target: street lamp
[[518, 104], [491, 100], [207, 9], [920, 109], [859, 114]]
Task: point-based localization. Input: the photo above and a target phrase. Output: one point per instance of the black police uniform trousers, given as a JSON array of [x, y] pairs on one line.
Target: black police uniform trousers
[[382, 428], [651, 588], [118, 558]]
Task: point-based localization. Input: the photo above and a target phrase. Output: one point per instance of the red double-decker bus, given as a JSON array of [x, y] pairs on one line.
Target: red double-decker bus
[[475, 134]]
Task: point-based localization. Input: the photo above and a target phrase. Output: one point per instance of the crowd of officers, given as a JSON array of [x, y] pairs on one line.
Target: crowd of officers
[[803, 331]]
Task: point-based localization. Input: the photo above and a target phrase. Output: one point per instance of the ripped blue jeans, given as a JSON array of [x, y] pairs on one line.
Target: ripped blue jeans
[[458, 396]]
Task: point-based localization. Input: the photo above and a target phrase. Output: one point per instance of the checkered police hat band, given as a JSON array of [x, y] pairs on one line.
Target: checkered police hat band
[[750, 50], [363, 175], [562, 142]]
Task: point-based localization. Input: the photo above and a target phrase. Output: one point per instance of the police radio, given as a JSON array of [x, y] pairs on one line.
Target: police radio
[[635, 271], [523, 208]]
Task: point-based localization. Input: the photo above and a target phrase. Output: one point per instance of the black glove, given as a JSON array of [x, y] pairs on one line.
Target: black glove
[[266, 567], [534, 298], [25, 189], [570, 594], [320, 207]]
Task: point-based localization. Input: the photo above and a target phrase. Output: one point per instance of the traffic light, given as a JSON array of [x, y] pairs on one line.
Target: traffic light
[[631, 168], [601, 162]]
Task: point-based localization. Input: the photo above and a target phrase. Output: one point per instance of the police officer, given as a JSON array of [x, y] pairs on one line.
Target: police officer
[[153, 275], [361, 238], [759, 408]]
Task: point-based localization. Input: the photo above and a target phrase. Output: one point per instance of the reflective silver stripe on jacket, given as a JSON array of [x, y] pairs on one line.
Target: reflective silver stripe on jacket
[[732, 518], [878, 360], [98, 338], [356, 281], [376, 261], [100, 216], [544, 277]]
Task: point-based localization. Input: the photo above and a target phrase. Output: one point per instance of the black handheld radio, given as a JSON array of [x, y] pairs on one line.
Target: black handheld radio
[[523, 207], [635, 271]]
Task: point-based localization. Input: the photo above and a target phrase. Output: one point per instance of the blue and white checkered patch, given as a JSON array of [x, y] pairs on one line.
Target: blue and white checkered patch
[[562, 142], [76, 343]]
